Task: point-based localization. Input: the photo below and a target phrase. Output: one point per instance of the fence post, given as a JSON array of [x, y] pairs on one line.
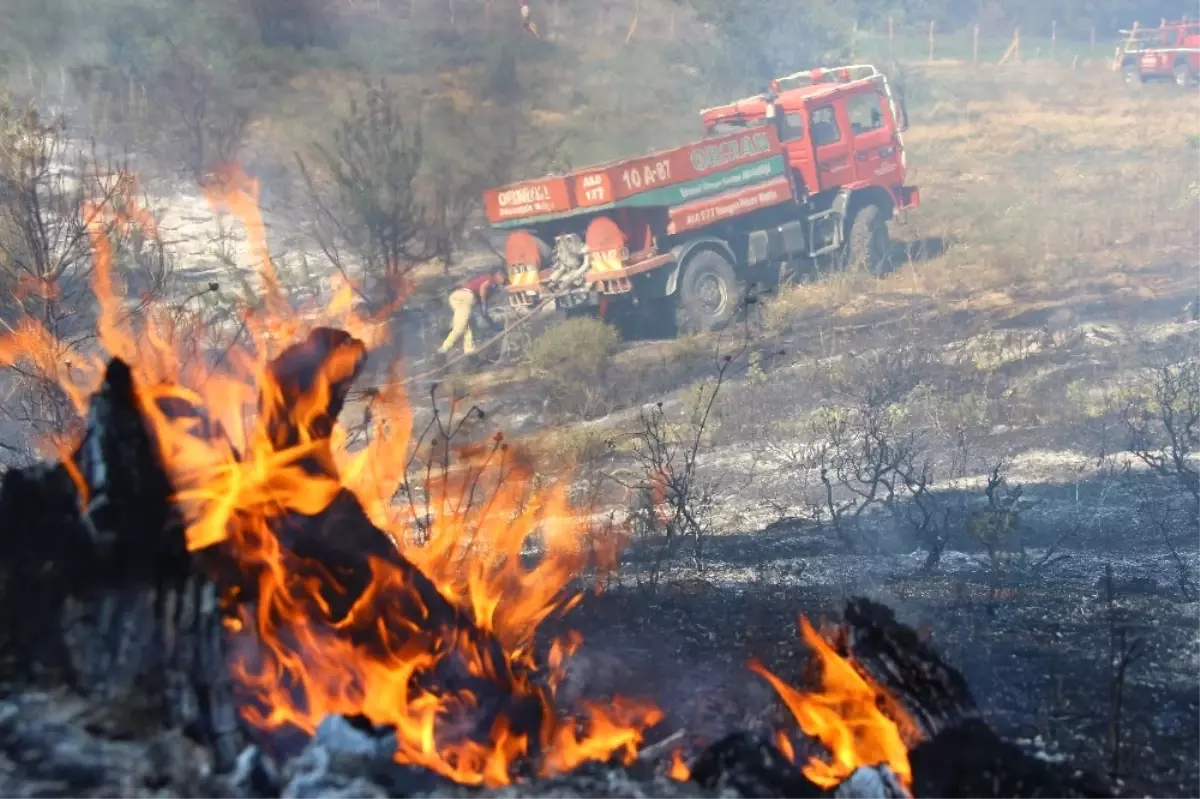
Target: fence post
[[891, 37], [1093, 41], [637, 10], [853, 39], [932, 28], [975, 45], [1014, 48], [1053, 38]]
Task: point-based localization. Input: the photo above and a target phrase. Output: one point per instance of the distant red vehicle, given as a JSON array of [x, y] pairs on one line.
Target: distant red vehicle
[[1169, 52], [813, 168]]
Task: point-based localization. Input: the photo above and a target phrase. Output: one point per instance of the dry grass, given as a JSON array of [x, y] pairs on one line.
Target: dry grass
[[1048, 185]]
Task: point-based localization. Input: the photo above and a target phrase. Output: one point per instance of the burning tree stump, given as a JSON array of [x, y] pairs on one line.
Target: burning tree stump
[[101, 592], [959, 754], [99, 583]]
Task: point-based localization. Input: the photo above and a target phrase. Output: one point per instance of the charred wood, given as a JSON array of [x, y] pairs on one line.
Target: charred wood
[[327, 358], [342, 552], [959, 754], [751, 766], [933, 692], [44, 549], [347, 556], [970, 760], [106, 552]]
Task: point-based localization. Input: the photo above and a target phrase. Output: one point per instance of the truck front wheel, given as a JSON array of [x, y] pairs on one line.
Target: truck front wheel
[[1130, 74], [1183, 75], [709, 292], [868, 247]]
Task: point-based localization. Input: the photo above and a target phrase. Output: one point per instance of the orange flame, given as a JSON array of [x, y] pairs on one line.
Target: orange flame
[[231, 189], [678, 770], [235, 475], [845, 716]]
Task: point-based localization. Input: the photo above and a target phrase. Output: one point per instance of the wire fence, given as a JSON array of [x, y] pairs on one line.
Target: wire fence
[[969, 45]]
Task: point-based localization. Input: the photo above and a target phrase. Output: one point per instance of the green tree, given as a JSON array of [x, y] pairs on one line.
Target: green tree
[[363, 185]]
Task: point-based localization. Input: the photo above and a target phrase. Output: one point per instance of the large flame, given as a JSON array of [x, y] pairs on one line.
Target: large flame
[[845, 715], [235, 476]]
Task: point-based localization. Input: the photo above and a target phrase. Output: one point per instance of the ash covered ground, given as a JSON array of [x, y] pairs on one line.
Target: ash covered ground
[[1099, 570]]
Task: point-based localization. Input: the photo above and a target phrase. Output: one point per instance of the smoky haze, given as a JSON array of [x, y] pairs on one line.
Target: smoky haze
[[996, 435]]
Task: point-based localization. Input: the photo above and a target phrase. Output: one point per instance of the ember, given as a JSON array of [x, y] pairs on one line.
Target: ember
[[233, 556]]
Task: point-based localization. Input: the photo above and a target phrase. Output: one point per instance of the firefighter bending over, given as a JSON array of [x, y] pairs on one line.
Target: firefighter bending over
[[466, 300], [526, 22]]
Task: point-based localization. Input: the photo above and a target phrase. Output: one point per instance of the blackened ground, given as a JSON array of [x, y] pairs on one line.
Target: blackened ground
[[1035, 657]]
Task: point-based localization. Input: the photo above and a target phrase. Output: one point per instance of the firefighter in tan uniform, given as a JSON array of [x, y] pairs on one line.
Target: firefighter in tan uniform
[[466, 300], [527, 23]]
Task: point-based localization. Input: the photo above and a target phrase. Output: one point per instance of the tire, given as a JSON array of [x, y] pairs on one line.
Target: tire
[[1130, 74], [1183, 75], [710, 293], [868, 246]]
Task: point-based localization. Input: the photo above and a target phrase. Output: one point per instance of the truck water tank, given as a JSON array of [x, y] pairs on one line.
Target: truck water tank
[[525, 255], [606, 244]]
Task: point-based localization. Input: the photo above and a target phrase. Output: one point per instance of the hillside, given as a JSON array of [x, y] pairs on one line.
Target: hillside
[[997, 437]]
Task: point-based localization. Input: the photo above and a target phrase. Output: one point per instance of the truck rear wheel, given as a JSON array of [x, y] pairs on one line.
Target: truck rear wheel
[[709, 292], [868, 246]]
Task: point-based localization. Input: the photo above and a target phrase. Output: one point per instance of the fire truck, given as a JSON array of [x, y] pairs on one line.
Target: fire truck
[[1169, 52], [810, 171]]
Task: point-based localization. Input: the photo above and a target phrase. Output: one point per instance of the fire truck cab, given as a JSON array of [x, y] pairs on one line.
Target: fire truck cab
[[840, 128]]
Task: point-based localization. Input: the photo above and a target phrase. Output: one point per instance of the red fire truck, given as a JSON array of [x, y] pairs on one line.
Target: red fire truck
[[1169, 52], [812, 169]]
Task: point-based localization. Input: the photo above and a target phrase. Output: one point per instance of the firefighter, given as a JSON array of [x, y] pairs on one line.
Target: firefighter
[[466, 300], [526, 23]]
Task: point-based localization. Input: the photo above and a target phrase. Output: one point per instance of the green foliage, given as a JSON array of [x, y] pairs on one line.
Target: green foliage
[[581, 347], [363, 188], [572, 357], [997, 525]]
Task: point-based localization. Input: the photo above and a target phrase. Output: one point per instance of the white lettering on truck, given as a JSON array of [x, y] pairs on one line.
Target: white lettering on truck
[[593, 188], [523, 195], [647, 175], [711, 156]]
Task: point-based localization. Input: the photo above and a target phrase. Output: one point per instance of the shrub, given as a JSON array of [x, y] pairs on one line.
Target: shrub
[[572, 357]]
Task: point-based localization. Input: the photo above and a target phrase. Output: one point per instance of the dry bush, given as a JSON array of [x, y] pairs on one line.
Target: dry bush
[[1162, 422], [55, 194], [673, 502], [572, 358]]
